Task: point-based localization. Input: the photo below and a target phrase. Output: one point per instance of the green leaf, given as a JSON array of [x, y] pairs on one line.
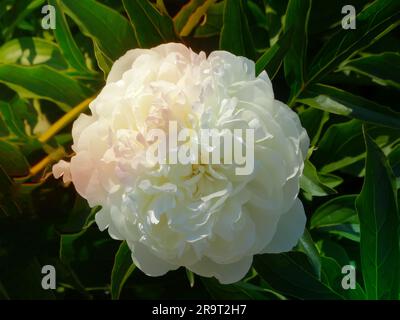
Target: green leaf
[[343, 103], [3, 292], [372, 23], [342, 144], [8, 207], [312, 184], [291, 274], [65, 40], [20, 10], [44, 83], [330, 180], [339, 210], [383, 68], [151, 27], [313, 120], [11, 119], [213, 22], [190, 276], [379, 225], [235, 35], [103, 61], [23, 282], [12, 160], [77, 218], [195, 18], [307, 245], [185, 12], [108, 29], [272, 59], [394, 159], [297, 15], [332, 249], [32, 51], [122, 269], [349, 231], [332, 277], [236, 291]]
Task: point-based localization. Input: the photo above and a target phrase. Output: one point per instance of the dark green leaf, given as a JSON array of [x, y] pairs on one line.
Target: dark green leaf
[[8, 207], [291, 274], [307, 245], [272, 59], [343, 103], [43, 82], [341, 145], [313, 120], [340, 210], [297, 15], [379, 225], [237, 291], [65, 40], [394, 159], [122, 269], [235, 35], [332, 277], [382, 68], [12, 160], [312, 184], [151, 27], [374, 21], [213, 21], [109, 30]]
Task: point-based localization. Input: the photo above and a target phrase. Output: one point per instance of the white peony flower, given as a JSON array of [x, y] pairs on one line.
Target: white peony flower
[[201, 216]]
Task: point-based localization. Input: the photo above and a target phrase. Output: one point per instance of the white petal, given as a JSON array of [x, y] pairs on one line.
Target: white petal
[[290, 229], [225, 273], [62, 169], [102, 219], [148, 262], [123, 64]]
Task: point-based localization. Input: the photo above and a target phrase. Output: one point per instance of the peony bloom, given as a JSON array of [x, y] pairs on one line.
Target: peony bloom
[[201, 216]]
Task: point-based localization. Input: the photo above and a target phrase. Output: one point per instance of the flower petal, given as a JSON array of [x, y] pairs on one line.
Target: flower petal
[[290, 228]]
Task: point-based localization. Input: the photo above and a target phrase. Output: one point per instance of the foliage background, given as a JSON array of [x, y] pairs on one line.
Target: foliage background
[[343, 83]]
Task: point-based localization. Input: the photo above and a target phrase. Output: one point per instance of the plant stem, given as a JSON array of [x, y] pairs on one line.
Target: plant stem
[[64, 120]]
